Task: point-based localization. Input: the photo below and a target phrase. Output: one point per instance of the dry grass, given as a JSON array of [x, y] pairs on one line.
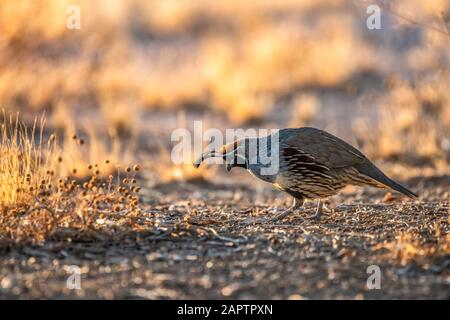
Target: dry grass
[[245, 60], [24, 162], [82, 154], [113, 90], [233, 58], [413, 124], [38, 199], [408, 247], [305, 108], [237, 58]]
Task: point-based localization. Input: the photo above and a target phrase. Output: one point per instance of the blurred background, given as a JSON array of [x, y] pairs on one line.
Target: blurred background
[[100, 191], [138, 69]]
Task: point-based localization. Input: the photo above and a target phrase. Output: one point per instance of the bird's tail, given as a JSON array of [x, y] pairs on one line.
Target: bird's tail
[[370, 170]]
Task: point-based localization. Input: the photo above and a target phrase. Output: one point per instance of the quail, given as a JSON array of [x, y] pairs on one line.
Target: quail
[[310, 164]]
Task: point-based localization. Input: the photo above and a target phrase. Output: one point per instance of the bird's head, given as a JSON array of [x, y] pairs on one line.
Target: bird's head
[[234, 154]]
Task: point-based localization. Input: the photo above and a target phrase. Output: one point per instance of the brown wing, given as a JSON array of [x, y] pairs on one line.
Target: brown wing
[[323, 147]]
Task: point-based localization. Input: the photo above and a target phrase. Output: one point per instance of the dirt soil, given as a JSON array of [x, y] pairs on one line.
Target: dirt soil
[[217, 243]]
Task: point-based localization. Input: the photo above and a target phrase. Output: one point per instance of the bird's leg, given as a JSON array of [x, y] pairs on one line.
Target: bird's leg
[[295, 206], [318, 210]]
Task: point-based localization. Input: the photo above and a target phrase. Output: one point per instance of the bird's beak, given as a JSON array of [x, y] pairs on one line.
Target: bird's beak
[[204, 156], [224, 152], [210, 154]]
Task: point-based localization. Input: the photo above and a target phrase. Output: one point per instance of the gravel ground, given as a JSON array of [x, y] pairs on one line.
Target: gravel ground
[[218, 243]]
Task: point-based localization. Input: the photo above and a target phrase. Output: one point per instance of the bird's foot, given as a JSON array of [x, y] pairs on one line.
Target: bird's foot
[[297, 205], [319, 211]]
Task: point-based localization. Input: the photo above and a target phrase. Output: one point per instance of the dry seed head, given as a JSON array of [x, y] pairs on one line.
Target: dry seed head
[[106, 161], [74, 136], [128, 169], [60, 159], [81, 141], [136, 167]]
